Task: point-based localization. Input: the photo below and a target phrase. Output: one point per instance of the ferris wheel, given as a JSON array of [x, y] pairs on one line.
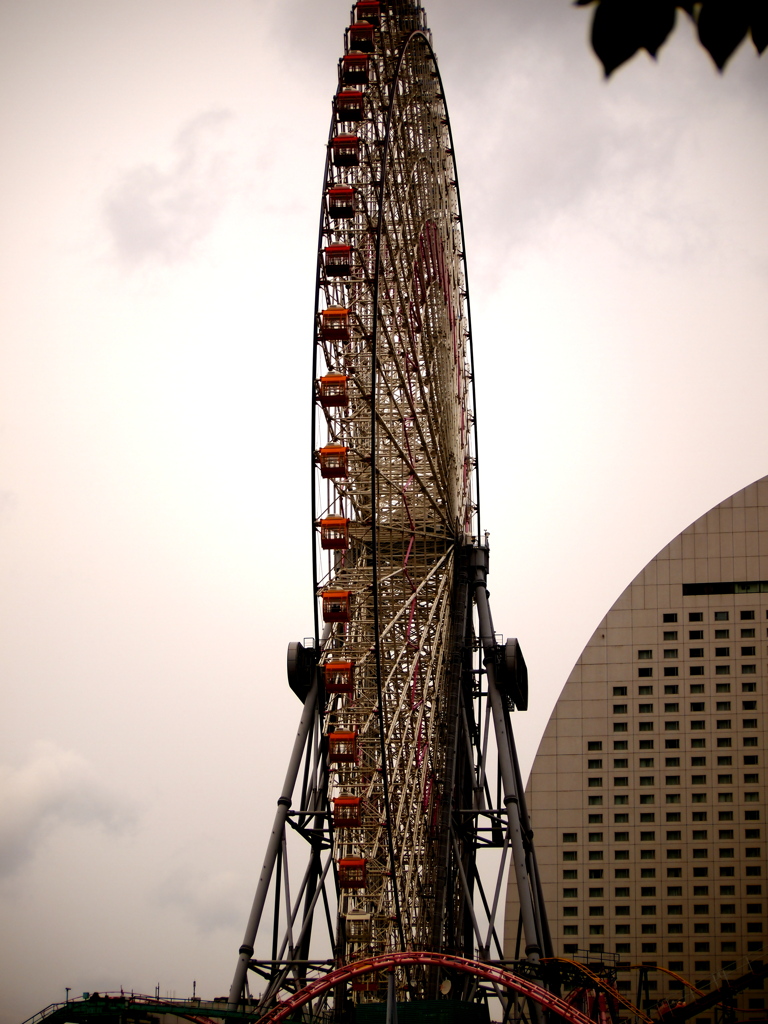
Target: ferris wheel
[[404, 751]]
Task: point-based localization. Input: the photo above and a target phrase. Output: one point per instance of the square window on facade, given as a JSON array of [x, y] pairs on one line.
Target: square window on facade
[[645, 727], [698, 762], [595, 819], [594, 801], [620, 744], [749, 723], [699, 780], [696, 670], [699, 816], [621, 818], [721, 616], [594, 745], [670, 652], [594, 764], [670, 634], [644, 673], [619, 691], [695, 616], [644, 655], [673, 816], [725, 816], [595, 783], [725, 759], [723, 688], [747, 652], [745, 615], [722, 652], [620, 799], [671, 726], [671, 688], [747, 633], [619, 709], [748, 687], [722, 670], [698, 798], [671, 744], [697, 706], [749, 741], [645, 744], [645, 691], [569, 855], [723, 705], [672, 617], [645, 709], [696, 634], [724, 741], [596, 872]]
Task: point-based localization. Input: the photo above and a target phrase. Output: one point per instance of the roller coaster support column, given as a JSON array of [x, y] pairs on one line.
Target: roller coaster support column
[[512, 798], [275, 841]]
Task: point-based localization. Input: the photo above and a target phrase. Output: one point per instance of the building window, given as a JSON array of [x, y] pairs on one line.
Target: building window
[[644, 673], [570, 837], [645, 709], [747, 634], [672, 617], [646, 744], [646, 726], [699, 780], [751, 779], [670, 634], [724, 741], [721, 616], [696, 670], [647, 837], [722, 688], [596, 763], [619, 709], [671, 780], [647, 855], [748, 687], [697, 706], [621, 837], [673, 836], [671, 744], [749, 723], [725, 798], [671, 688], [674, 855], [570, 929], [747, 652], [699, 724], [749, 705], [695, 616], [750, 741], [621, 780], [723, 723], [594, 745], [570, 894], [648, 929], [671, 726], [595, 854], [700, 854], [619, 691], [621, 855], [725, 780], [595, 783], [726, 852], [722, 652], [696, 634], [569, 855], [698, 798], [645, 691], [596, 911], [646, 762], [722, 670], [696, 652], [595, 837], [620, 727], [620, 762], [644, 655], [671, 709], [723, 705], [670, 652]]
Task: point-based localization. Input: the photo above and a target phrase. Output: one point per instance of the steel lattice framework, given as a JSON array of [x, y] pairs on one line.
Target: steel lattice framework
[[401, 692]]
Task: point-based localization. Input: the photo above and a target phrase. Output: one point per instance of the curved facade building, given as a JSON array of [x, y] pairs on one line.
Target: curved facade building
[[647, 795]]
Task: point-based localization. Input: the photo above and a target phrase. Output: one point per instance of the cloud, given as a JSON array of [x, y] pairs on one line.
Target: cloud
[[209, 900], [161, 213], [54, 788]]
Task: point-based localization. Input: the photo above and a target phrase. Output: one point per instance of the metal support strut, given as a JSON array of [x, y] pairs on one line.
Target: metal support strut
[[514, 798]]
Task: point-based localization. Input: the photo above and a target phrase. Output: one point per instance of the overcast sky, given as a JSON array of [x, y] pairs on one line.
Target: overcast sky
[[161, 177]]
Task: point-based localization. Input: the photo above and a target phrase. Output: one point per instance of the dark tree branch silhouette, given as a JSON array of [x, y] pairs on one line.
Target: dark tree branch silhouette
[[622, 27]]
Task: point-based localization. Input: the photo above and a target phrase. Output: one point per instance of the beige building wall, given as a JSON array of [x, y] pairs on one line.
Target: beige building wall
[[647, 795]]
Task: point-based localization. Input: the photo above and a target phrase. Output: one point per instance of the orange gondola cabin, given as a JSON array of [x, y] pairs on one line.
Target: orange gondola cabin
[[352, 873], [354, 68], [341, 202], [345, 150], [337, 605], [334, 324], [337, 260], [339, 677], [334, 533], [346, 811], [342, 747], [349, 105], [332, 391], [333, 461]]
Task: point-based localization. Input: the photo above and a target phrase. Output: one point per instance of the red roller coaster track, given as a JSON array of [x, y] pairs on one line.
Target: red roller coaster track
[[388, 961]]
